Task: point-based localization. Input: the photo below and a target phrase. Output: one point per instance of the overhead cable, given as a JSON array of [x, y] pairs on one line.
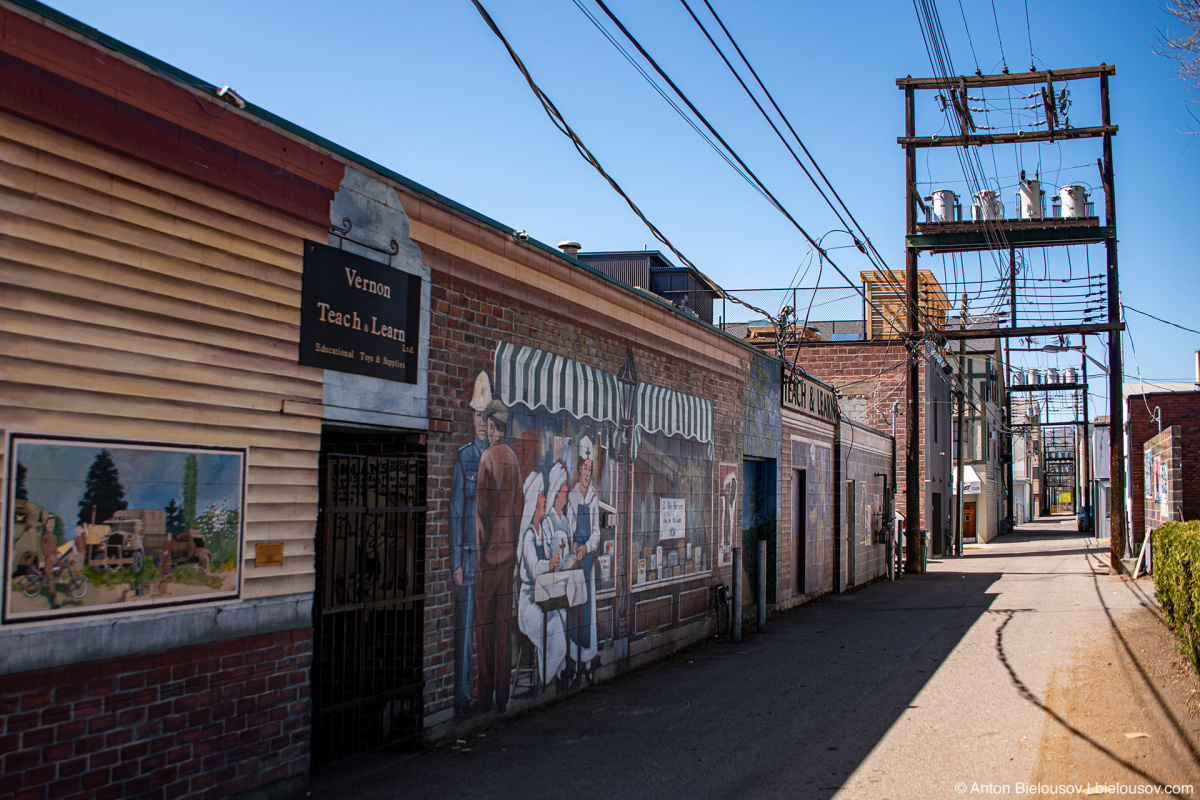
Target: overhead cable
[[561, 123]]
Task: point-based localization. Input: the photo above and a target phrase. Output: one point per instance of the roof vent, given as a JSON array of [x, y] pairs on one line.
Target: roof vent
[[570, 248]]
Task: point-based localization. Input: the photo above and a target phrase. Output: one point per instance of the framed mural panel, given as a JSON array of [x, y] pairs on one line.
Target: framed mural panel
[[99, 526]]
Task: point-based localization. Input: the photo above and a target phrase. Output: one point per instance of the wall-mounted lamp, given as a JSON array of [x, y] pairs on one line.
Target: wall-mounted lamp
[[227, 93]]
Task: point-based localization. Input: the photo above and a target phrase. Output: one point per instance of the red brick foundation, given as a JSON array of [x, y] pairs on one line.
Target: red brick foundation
[[207, 721]]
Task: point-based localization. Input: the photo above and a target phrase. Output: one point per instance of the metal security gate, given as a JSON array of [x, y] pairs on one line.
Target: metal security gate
[[369, 605]]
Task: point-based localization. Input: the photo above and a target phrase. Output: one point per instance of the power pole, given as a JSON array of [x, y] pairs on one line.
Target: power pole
[[990, 231], [1116, 400], [1075, 499], [1008, 472], [913, 484], [1087, 442], [960, 445]]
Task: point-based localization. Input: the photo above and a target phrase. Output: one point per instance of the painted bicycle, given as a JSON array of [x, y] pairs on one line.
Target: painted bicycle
[[35, 578]]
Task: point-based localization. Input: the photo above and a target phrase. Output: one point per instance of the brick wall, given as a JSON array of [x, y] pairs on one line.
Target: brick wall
[[208, 721], [1182, 409], [875, 371]]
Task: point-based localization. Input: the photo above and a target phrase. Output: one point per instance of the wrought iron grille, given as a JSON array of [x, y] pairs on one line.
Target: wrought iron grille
[[367, 671]]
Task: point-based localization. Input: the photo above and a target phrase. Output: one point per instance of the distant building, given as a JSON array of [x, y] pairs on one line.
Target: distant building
[[683, 287], [983, 420], [1026, 457], [869, 374], [1102, 476]]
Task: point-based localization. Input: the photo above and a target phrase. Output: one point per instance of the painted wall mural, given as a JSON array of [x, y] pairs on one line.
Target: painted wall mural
[[816, 460], [540, 536], [107, 526], [728, 520]]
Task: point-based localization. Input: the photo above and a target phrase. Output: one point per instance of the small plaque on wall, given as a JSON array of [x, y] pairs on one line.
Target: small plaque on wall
[[268, 554]]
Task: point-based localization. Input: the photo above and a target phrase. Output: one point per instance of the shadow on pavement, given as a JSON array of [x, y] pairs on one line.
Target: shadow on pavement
[[790, 712]]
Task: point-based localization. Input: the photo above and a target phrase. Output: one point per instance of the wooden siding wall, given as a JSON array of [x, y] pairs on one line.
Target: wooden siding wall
[[139, 304]]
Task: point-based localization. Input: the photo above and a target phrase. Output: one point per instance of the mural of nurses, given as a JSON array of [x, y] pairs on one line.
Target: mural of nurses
[[464, 552], [583, 510], [541, 552], [545, 481]]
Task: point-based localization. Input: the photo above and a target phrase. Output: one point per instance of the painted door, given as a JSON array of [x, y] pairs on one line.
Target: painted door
[[969, 520], [799, 527]]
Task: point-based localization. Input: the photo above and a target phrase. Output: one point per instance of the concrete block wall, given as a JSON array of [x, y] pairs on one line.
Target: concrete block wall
[[863, 456], [809, 446], [207, 721]]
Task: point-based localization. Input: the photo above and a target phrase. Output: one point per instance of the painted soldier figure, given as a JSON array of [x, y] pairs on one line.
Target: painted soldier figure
[[50, 559], [463, 550], [498, 503]]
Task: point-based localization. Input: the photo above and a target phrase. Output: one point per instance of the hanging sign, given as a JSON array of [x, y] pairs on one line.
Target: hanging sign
[[803, 394], [358, 315]]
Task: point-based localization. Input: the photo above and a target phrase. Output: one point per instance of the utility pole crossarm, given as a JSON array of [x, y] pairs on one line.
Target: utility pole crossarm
[[1013, 79], [1011, 137]]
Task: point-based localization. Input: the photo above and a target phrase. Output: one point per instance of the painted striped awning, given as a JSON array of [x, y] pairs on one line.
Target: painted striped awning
[[538, 379], [671, 413]]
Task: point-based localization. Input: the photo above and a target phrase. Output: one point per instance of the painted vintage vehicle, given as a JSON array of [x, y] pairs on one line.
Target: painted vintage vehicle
[[118, 542], [185, 547], [134, 534]]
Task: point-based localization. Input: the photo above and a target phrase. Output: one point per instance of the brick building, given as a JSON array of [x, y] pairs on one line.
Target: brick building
[[1147, 407], [865, 460], [870, 378], [982, 366]]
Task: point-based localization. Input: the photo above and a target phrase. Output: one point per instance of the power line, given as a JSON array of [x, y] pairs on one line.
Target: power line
[[791, 129], [560, 122], [646, 76], [1159, 319], [691, 106]]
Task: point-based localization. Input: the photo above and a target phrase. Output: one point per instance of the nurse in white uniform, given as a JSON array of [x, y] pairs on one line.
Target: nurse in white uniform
[[540, 551]]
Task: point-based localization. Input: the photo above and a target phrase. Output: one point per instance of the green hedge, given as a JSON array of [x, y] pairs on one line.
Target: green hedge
[[1177, 582]]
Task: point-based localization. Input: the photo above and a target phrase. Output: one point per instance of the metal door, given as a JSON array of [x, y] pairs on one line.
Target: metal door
[[369, 605], [851, 537]]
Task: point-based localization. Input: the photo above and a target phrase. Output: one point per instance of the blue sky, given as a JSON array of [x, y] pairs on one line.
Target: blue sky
[[427, 90], [151, 478]]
